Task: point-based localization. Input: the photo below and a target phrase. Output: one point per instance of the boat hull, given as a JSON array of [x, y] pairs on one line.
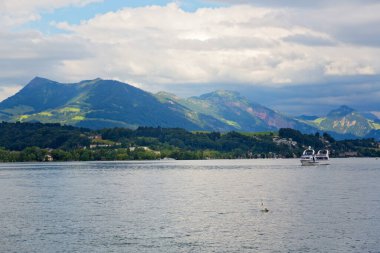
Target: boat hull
[[309, 163], [309, 158]]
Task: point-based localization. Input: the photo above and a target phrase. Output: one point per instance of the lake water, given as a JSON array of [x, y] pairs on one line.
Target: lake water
[[190, 206]]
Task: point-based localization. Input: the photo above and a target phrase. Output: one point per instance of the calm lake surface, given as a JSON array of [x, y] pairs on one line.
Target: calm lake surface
[[190, 206]]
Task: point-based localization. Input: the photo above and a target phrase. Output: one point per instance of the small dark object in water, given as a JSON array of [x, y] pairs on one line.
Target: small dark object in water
[[264, 210]]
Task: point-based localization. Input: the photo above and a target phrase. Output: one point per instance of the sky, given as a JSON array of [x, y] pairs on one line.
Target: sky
[[295, 56]]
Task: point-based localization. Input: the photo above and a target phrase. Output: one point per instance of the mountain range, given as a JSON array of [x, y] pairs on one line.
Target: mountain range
[[106, 103]]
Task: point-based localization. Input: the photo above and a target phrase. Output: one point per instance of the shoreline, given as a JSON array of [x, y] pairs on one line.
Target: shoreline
[[174, 160]]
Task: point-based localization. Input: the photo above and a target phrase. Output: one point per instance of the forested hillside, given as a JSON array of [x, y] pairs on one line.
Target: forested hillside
[[39, 142]]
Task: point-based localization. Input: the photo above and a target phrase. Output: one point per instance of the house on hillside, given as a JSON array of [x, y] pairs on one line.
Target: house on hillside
[[95, 137], [289, 142], [48, 158], [145, 149]]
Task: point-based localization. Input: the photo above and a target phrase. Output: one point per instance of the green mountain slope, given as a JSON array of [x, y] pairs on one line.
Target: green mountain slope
[[105, 103], [95, 104], [345, 120], [228, 110], [39, 95]]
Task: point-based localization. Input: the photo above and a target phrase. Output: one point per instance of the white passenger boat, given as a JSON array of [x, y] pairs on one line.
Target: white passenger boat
[[308, 157], [323, 157]]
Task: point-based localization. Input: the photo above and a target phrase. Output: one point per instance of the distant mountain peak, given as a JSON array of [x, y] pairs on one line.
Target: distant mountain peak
[[166, 94], [345, 107], [39, 80], [227, 93], [341, 111], [222, 94], [99, 103], [307, 117], [91, 81]]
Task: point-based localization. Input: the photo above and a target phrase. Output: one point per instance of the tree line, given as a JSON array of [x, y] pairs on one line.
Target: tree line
[[22, 142]]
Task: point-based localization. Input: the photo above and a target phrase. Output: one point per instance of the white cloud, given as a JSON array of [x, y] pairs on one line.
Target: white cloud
[[348, 67], [32, 54], [154, 47], [238, 44], [8, 91], [21, 11], [296, 3], [40, 5]]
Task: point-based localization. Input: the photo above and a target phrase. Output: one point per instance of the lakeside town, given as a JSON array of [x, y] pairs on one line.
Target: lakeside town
[[22, 142]]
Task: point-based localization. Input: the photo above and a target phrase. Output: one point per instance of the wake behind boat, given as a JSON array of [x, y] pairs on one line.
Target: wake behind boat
[[310, 158]]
